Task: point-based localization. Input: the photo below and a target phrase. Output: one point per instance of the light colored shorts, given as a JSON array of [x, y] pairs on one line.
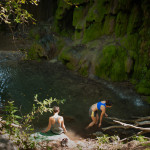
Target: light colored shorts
[[92, 113]]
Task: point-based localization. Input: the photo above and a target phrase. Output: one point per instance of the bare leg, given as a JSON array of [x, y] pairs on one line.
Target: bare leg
[[92, 123], [97, 117]]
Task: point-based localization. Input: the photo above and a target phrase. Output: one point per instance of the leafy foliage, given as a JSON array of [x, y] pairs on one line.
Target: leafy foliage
[[105, 139], [139, 138], [13, 11], [74, 2], [19, 128]]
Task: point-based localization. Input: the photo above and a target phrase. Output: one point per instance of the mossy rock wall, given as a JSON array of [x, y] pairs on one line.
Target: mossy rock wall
[[112, 63], [119, 32], [36, 52]]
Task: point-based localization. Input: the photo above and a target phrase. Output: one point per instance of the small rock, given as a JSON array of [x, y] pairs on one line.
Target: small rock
[[53, 61], [64, 142], [98, 133]]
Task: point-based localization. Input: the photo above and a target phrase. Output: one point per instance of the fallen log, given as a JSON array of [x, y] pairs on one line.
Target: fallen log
[[113, 127], [122, 120], [142, 123], [141, 118], [127, 126], [141, 132], [132, 126]]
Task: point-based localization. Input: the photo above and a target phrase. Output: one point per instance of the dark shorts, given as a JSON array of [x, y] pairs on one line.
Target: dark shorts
[[92, 113]]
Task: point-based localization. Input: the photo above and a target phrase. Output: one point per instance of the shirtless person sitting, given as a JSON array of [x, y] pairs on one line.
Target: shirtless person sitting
[[93, 112], [56, 123]]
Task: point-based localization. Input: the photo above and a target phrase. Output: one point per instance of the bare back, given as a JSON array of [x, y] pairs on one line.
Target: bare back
[[56, 124], [94, 106], [53, 120]]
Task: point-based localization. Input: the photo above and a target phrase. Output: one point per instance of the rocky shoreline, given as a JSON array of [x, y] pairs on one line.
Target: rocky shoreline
[[55, 143]]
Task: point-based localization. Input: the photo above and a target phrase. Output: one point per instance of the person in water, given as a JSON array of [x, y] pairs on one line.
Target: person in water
[[93, 112], [56, 123]]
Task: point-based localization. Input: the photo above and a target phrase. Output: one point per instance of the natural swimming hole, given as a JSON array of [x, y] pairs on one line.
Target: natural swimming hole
[[20, 81]]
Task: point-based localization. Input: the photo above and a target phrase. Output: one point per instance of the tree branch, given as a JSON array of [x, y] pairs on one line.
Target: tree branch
[[12, 124], [132, 126], [112, 127]]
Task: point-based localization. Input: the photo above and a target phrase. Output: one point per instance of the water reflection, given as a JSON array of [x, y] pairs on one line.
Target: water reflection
[[5, 74]]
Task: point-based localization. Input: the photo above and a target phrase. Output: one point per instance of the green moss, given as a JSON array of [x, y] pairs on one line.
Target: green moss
[[141, 69], [60, 44], [129, 65], [78, 34], [35, 52], [78, 22], [118, 71], [133, 81], [84, 70], [62, 18], [92, 33], [62, 7], [132, 44], [121, 24], [147, 99], [97, 11], [143, 90], [66, 33], [94, 21], [135, 20], [70, 66], [78, 16], [105, 62], [111, 64], [143, 87], [83, 67], [33, 34], [67, 58], [138, 51], [124, 4], [109, 25]]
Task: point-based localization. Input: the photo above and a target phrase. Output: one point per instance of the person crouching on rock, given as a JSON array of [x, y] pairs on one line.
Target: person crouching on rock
[[93, 112], [56, 123]]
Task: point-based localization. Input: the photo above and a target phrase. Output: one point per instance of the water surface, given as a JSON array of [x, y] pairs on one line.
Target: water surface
[[21, 80]]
